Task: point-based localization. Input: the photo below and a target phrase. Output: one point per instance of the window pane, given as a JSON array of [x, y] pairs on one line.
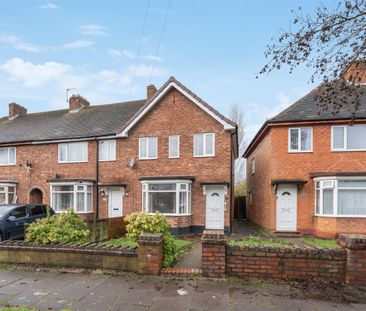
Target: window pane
[[153, 147], [352, 202], [62, 148], [19, 212], [338, 137], [317, 202], [37, 210], [173, 146], [63, 201], [162, 187], [12, 156], [352, 183], [306, 139], [198, 144], [4, 155], [356, 137], [2, 198], [107, 150], [80, 202], [143, 148], [183, 203], [294, 144], [89, 202], [163, 202], [328, 201], [11, 198], [63, 188], [209, 144], [77, 152]]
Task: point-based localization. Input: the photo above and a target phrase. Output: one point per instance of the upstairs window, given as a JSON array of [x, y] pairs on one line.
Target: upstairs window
[[148, 148], [204, 145], [300, 139], [8, 156], [174, 146], [107, 150], [351, 138], [73, 152]]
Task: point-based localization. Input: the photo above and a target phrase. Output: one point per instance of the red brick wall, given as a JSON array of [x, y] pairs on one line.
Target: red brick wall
[[331, 227], [285, 165], [173, 115], [286, 263]]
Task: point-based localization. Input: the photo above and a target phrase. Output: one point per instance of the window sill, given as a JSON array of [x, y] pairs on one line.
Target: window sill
[[72, 162], [172, 215], [108, 160], [339, 216], [8, 164], [293, 151], [348, 150], [144, 159], [204, 156]]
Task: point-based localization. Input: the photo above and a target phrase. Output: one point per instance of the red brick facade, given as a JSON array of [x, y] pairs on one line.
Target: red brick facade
[[275, 162], [174, 114]]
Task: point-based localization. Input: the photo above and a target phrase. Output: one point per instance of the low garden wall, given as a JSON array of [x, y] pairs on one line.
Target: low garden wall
[[347, 264], [147, 258]]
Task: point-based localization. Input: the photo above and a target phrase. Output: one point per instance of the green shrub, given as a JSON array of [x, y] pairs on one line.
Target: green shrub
[[61, 228], [141, 222]]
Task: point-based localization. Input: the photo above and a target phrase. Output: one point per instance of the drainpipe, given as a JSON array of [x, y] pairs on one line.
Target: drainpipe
[[97, 180]]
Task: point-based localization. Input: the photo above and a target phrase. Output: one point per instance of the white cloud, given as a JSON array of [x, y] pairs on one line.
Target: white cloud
[[77, 44], [48, 6], [124, 53], [153, 58], [143, 70], [92, 30], [18, 44]]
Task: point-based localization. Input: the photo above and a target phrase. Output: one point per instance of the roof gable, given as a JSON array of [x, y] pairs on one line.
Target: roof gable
[[173, 83]]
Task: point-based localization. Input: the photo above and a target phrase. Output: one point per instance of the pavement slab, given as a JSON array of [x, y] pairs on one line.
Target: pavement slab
[[208, 301]]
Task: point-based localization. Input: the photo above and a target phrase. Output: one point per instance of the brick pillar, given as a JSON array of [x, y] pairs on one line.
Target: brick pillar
[[355, 245], [213, 253], [150, 250]]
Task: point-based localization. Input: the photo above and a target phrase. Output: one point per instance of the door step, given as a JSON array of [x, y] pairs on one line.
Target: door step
[[287, 234], [181, 272]]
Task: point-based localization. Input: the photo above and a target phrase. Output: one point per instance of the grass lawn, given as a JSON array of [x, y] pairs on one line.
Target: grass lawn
[[256, 241], [15, 309], [321, 243]]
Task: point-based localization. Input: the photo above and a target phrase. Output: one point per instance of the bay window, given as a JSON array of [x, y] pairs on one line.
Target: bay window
[[343, 196], [7, 194], [7, 156], [300, 139], [166, 197], [77, 197], [349, 138]]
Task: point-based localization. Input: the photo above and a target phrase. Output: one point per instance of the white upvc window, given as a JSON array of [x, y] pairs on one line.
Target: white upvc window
[[167, 197], [73, 152], [174, 146], [253, 166], [204, 145], [7, 156], [300, 139], [349, 137], [7, 194], [72, 196], [148, 148], [107, 150], [340, 196]]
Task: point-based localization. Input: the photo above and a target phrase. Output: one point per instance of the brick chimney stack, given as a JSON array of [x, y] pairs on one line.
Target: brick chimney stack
[[77, 102], [151, 90], [356, 72], [16, 110]]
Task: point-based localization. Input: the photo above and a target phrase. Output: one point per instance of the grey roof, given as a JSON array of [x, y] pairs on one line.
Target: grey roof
[[92, 121], [306, 109]]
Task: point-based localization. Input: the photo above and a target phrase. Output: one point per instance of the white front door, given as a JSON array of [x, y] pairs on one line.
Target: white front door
[[286, 219], [215, 207], [115, 202]]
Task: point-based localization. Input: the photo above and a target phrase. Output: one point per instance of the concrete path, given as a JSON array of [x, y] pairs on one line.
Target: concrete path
[[66, 291], [244, 228], [193, 259]]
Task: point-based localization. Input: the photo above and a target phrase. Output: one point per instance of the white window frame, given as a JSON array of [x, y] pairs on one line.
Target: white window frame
[[15, 156], [345, 128], [253, 166], [178, 155], [205, 154], [100, 144], [75, 191], [6, 192], [141, 139], [67, 151], [299, 139], [145, 189], [334, 185]]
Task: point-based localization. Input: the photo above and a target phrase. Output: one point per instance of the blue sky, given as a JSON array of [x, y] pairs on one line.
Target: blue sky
[[214, 47]]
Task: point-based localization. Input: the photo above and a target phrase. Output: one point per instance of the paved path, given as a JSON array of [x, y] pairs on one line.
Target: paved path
[[57, 291], [193, 259], [244, 228]]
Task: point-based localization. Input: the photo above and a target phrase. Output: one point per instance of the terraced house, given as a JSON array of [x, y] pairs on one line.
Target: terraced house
[[306, 169], [171, 153]]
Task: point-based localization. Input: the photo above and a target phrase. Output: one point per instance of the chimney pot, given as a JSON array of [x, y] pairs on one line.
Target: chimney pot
[[77, 102], [16, 110], [151, 91]]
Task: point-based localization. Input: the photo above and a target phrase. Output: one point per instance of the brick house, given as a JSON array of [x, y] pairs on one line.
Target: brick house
[[171, 152], [306, 171]]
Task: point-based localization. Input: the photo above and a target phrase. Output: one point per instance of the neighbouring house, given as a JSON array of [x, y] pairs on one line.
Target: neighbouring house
[[171, 153], [306, 169]]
